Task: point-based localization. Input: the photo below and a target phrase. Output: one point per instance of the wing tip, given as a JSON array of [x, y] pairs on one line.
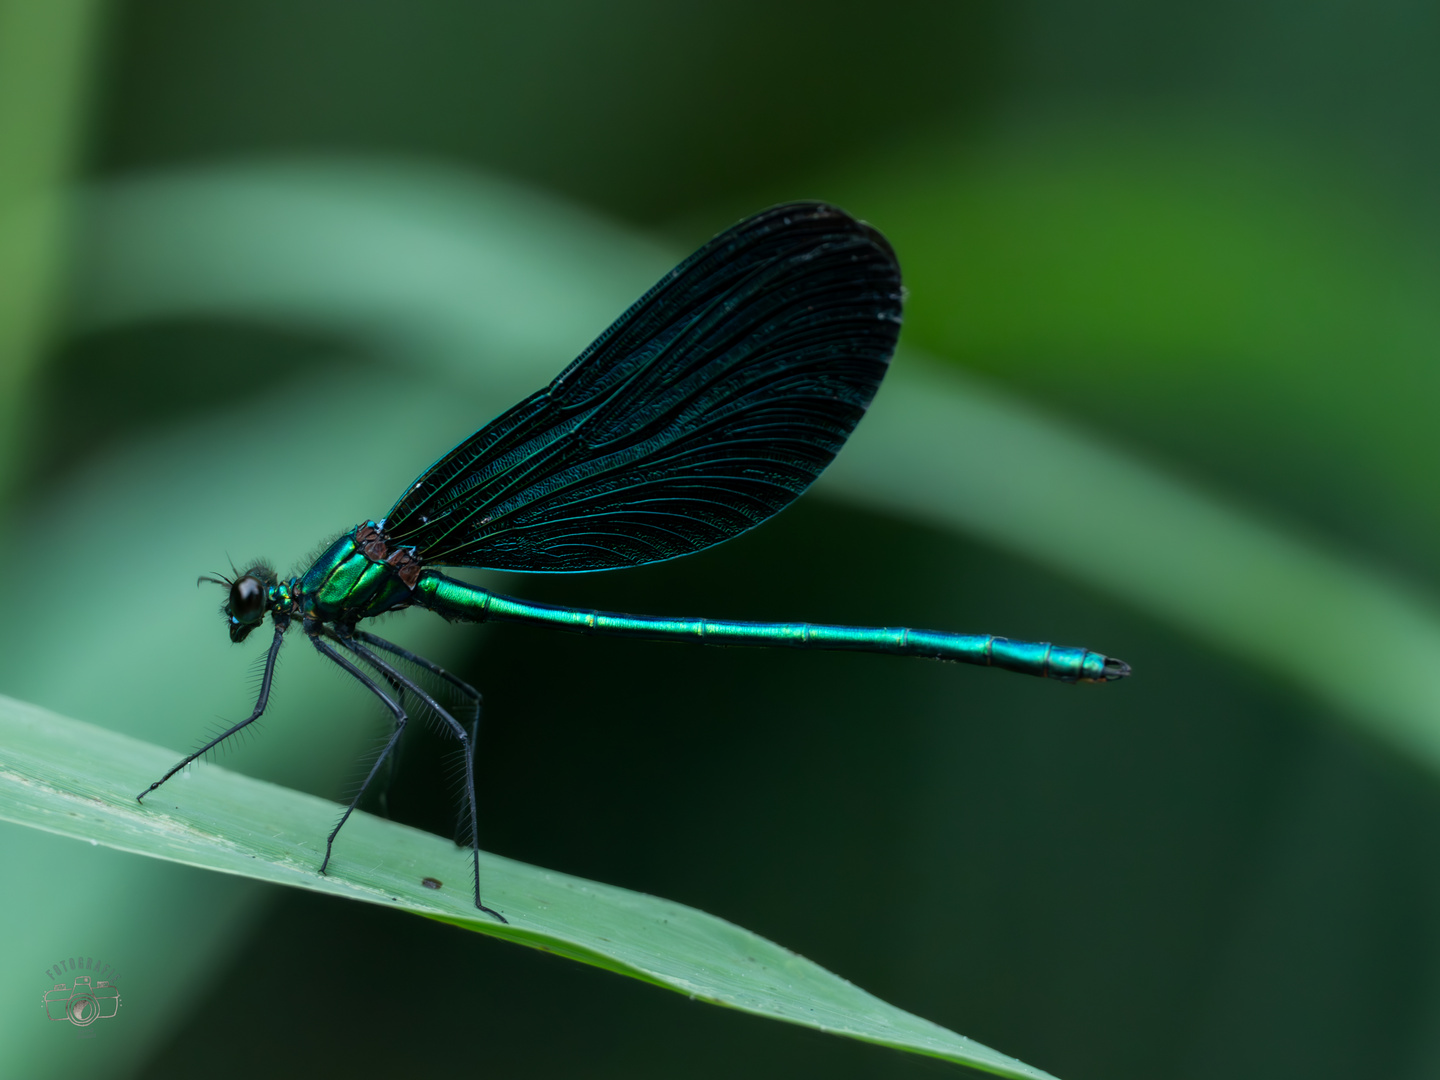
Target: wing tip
[[762, 223]]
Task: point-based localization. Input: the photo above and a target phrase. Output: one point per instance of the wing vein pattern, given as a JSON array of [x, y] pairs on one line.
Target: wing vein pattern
[[707, 407]]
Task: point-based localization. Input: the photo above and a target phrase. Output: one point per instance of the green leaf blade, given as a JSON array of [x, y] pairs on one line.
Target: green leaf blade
[[76, 780]]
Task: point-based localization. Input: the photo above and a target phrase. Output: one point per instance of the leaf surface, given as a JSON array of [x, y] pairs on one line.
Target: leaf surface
[[78, 780]]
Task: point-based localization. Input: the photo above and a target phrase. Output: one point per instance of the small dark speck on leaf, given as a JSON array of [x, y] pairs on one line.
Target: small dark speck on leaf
[[430, 883]]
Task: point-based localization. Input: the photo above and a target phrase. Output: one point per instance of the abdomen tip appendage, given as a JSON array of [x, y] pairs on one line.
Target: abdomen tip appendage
[[1115, 669]]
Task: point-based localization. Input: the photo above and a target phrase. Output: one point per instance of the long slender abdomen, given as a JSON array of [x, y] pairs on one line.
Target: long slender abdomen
[[457, 600]]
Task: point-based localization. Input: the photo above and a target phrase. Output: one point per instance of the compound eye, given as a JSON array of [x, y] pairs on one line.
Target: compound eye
[[247, 599]]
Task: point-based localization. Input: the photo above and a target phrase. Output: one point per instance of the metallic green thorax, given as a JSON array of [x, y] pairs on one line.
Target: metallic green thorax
[[345, 584]]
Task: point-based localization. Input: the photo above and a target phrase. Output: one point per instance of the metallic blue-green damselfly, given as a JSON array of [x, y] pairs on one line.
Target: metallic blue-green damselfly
[[705, 409]]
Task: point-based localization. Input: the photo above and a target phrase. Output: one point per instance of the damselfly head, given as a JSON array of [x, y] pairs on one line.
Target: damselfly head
[[249, 599]]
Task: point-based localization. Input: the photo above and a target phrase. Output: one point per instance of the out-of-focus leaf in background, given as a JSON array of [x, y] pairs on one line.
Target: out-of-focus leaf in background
[[1237, 309], [46, 60]]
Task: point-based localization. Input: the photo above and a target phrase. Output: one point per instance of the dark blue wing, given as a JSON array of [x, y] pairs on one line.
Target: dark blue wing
[[706, 408]]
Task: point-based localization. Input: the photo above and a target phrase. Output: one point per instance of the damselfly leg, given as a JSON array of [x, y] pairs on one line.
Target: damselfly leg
[[470, 693], [466, 738], [472, 696], [260, 704], [401, 719]]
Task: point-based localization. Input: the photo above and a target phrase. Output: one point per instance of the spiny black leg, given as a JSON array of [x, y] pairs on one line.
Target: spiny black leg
[[391, 766], [392, 763], [468, 691], [467, 745], [470, 772], [466, 738], [400, 720], [255, 715], [429, 665], [465, 689]]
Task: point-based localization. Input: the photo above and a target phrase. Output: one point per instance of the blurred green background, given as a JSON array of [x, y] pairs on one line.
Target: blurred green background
[[260, 263]]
